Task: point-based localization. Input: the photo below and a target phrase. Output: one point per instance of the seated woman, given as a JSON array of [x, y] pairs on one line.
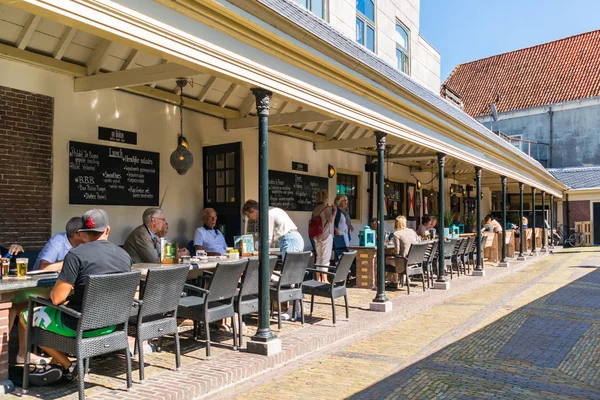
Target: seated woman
[[403, 238], [490, 224]]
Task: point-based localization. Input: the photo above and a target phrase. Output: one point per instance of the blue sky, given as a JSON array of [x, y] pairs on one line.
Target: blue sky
[[467, 30]]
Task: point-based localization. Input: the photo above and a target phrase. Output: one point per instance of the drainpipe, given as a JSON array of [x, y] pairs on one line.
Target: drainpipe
[[568, 212], [550, 114]]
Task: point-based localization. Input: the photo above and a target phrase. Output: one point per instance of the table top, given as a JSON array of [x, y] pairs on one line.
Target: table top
[[13, 283]]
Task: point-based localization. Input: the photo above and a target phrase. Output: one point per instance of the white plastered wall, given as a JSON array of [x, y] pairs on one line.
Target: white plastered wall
[[77, 117]]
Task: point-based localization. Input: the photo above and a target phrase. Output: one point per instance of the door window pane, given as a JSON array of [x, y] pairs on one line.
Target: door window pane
[[210, 195], [221, 195], [220, 161], [220, 178], [230, 178], [211, 162], [230, 160], [231, 194], [211, 178]]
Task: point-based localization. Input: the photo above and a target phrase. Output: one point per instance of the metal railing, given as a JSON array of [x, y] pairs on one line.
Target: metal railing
[[537, 150]]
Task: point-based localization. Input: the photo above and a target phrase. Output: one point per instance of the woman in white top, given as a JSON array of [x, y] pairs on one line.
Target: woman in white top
[[324, 242], [343, 224], [281, 228]]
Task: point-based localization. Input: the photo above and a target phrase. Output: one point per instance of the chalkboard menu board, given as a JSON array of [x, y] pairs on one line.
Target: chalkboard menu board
[[110, 175], [294, 192]]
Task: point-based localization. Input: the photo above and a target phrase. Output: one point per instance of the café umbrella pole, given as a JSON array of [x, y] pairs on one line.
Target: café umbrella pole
[[263, 98], [380, 297]]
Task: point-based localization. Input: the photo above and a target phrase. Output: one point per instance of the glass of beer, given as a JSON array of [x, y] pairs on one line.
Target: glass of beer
[[5, 266], [22, 267]]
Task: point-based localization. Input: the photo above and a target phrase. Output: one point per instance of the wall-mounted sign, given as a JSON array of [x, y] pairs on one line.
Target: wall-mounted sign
[[117, 135], [294, 192], [298, 166], [109, 175]]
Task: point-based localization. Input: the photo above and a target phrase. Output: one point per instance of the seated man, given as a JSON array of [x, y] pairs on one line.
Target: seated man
[[52, 255], [97, 257], [143, 243], [208, 237]]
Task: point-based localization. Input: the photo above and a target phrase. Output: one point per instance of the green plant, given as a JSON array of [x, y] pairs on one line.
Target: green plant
[[448, 217], [471, 219]]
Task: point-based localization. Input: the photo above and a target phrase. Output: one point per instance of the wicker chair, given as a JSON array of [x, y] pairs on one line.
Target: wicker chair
[[97, 311], [157, 309], [216, 302], [448, 252], [413, 262], [464, 256], [246, 301], [457, 254], [289, 286], [430, 255], [337, 287]]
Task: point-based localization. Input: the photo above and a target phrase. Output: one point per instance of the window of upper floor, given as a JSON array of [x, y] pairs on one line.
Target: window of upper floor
[[315, 6], [402, 48], [365, 23]]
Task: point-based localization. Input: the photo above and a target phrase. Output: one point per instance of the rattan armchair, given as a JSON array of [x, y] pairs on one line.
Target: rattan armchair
[[336, 288], [97, 311], [289, 286], [216, 302], [157, 309], [246, 301]]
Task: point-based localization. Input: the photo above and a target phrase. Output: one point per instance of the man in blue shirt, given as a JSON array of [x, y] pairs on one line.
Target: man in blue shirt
[[208, 237], [52, 255]]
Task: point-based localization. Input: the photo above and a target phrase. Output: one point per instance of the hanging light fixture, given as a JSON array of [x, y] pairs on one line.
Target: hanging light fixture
[[181, 159], [432, 193]]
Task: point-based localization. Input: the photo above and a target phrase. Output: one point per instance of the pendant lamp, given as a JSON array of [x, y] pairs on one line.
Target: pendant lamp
[[181, 159]]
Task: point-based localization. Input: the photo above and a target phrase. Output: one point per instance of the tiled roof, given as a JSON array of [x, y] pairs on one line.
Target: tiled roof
[[578, 178], [549, 73]]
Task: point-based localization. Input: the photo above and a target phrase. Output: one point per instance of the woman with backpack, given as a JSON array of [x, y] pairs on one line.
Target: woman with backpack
[[320, 229]]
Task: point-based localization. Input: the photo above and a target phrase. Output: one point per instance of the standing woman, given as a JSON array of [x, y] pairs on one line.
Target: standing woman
[[281, 228], [324, 242], [342, 224]]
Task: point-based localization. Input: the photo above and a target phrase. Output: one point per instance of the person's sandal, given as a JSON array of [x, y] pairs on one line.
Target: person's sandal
[[46, 375]]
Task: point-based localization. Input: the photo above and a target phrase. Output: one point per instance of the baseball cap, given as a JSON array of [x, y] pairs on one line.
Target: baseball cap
[[95, 220]]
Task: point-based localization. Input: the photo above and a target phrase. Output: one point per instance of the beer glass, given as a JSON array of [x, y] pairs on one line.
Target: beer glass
[[22, 267], [5, 267]]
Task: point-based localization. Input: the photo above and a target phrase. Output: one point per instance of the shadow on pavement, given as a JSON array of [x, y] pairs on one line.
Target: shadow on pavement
[[549, 348]]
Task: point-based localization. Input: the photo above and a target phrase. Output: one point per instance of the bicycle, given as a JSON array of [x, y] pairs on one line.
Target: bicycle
[[575, 239]]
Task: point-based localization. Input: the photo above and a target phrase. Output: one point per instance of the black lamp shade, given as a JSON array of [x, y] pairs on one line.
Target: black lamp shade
[[182, 159], [330, 171]]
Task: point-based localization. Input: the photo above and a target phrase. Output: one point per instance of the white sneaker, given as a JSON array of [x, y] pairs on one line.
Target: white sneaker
[[285, 317]]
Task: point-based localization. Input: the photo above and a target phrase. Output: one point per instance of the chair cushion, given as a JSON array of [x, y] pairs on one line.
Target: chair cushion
[[314, 287], [192, 301]]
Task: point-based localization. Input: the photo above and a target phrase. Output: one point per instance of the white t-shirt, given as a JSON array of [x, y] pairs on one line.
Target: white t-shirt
[[279, 224]]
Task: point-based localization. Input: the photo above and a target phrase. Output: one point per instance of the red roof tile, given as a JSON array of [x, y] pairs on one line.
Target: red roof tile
[[554, 72]]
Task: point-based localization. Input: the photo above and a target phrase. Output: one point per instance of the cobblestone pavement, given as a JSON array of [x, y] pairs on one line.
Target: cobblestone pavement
[[533, 334]]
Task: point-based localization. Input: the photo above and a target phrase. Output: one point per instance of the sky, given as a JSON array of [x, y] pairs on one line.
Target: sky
[[467, 30]]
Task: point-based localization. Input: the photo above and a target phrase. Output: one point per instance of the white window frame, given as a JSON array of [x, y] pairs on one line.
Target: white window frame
[[368, 23], [308, 6], [405, 52]]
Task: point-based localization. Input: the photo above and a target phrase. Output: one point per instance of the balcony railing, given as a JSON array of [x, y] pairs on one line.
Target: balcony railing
[[537, 150]]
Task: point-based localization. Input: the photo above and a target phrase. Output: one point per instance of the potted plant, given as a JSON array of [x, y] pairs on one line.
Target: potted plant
[[448, 220], [470, 222]]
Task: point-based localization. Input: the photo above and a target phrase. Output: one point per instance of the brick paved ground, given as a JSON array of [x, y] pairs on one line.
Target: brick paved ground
[[431, 320], [533, 334]]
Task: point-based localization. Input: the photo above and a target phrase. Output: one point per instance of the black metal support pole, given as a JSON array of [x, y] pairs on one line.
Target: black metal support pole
[[552, 220], [479, 266], [533, 250], [263, 98], [544, 235], [380, 297], [503, 181], [522, 235], [371, 188], [441, 261]]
